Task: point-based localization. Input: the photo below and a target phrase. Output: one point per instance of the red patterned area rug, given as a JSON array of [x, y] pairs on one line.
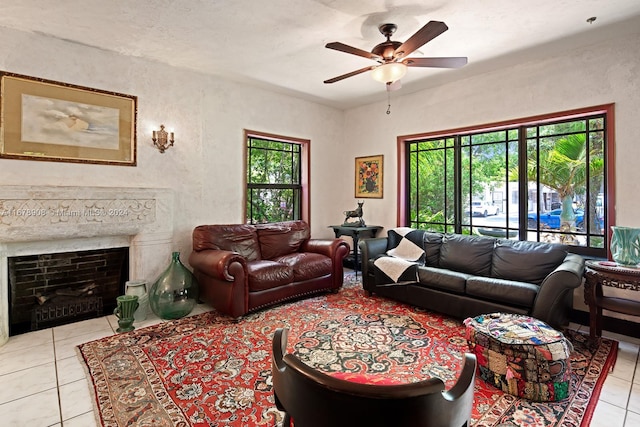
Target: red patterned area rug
[[207, 370]]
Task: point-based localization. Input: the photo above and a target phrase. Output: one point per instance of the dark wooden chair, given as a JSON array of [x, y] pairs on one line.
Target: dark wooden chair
[[314, 399]]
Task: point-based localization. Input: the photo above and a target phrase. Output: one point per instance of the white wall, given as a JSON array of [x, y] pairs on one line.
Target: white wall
[[208, 115], [231, 108], [603, 73]]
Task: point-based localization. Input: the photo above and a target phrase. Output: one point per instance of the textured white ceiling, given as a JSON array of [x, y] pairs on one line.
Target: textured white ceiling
[[280, 43]]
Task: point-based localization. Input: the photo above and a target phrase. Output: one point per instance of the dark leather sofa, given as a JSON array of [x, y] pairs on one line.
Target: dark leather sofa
[[242, 268], [465, 276]]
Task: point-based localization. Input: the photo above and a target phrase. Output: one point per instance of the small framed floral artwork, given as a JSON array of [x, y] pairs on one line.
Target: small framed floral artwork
[[369, 176]]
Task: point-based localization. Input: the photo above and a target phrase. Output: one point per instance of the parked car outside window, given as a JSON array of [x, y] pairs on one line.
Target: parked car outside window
[[481, 208], [552, 220]]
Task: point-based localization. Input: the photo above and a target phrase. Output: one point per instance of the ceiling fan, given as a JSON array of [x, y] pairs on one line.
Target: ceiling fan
[[392, 55]]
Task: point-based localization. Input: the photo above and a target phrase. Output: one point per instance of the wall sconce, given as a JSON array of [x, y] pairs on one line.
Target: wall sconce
[[162, 139]]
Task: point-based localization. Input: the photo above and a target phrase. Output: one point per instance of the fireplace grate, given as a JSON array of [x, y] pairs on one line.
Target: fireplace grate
[[65, 308], [53, 289]]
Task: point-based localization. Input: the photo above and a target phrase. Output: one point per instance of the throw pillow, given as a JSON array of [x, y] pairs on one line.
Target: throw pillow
[[406, 243]]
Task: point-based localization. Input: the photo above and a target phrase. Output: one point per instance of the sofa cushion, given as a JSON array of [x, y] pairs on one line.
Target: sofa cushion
[[306, 265], [506, 291], [281, 238], [240, 238], [526, 261], [440, 278], [432, 243], [267, 274], [468, 254], [406, 243]]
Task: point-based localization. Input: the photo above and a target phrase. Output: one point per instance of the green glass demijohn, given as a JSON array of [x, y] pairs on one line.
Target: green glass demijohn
[[175, 292]]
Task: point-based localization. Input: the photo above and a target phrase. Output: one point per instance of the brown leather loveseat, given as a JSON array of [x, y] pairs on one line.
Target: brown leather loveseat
[[242, 268]]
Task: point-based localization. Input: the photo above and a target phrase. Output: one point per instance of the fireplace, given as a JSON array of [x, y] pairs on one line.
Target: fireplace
[[44, 220], [55, 289]]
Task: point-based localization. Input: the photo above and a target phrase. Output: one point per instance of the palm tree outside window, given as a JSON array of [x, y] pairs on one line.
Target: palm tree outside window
[[543, 179]]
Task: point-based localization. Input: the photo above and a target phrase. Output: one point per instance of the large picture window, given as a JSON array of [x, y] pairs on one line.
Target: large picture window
[[540, 179], [277, 170]]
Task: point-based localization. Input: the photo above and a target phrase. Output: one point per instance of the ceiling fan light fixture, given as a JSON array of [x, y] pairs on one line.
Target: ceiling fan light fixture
[[389, 72], [393, 55]]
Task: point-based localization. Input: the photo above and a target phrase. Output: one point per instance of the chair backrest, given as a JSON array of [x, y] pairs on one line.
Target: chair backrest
[[312, 398]]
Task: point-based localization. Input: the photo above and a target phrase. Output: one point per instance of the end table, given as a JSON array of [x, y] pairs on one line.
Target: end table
[[356, 233], [606, 273]]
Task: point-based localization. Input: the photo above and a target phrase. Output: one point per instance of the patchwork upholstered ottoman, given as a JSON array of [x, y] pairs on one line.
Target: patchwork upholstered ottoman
[[521, 355]]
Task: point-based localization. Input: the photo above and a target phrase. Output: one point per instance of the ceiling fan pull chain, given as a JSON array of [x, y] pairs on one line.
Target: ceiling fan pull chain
[[388, 98]]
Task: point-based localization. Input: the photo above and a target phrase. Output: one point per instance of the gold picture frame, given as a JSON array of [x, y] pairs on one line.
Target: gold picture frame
[[369, 177], [52, 121]]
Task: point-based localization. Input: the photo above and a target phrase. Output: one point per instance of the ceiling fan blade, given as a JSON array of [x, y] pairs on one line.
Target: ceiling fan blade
[[429, 32], [353, 50], [450, 62], [351, 74]]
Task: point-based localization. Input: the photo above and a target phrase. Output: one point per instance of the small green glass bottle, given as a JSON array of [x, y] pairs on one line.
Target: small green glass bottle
[[175, 292]]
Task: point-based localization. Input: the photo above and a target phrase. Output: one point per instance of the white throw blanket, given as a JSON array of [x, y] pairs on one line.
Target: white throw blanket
[[397, 269]]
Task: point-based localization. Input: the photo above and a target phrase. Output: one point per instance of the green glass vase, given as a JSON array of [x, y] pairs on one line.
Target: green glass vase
[[625, 246], [175, 292]]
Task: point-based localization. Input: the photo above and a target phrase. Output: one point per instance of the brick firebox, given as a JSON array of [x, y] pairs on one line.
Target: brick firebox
[[49, 289]]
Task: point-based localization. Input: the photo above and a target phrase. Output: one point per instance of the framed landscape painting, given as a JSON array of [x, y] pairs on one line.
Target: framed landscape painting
[[46, 120], [369, 174]]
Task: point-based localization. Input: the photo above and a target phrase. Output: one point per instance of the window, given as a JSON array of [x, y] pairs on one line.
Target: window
[[276, 178], [541, 179]]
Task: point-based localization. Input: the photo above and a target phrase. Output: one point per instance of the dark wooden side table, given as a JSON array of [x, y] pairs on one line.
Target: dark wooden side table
[[356, 233], [606, 273]]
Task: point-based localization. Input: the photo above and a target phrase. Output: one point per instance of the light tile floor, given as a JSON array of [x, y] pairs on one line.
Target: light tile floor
[[42, 382]]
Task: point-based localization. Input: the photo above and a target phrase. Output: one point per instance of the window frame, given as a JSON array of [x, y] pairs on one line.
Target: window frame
[[607, 110], [305, 173]]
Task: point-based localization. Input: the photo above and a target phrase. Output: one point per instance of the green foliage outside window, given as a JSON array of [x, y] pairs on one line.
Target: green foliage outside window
[[273, 181], [563, 175]]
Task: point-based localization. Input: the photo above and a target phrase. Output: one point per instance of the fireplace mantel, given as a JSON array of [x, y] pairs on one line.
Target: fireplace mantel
[[50, 219]]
